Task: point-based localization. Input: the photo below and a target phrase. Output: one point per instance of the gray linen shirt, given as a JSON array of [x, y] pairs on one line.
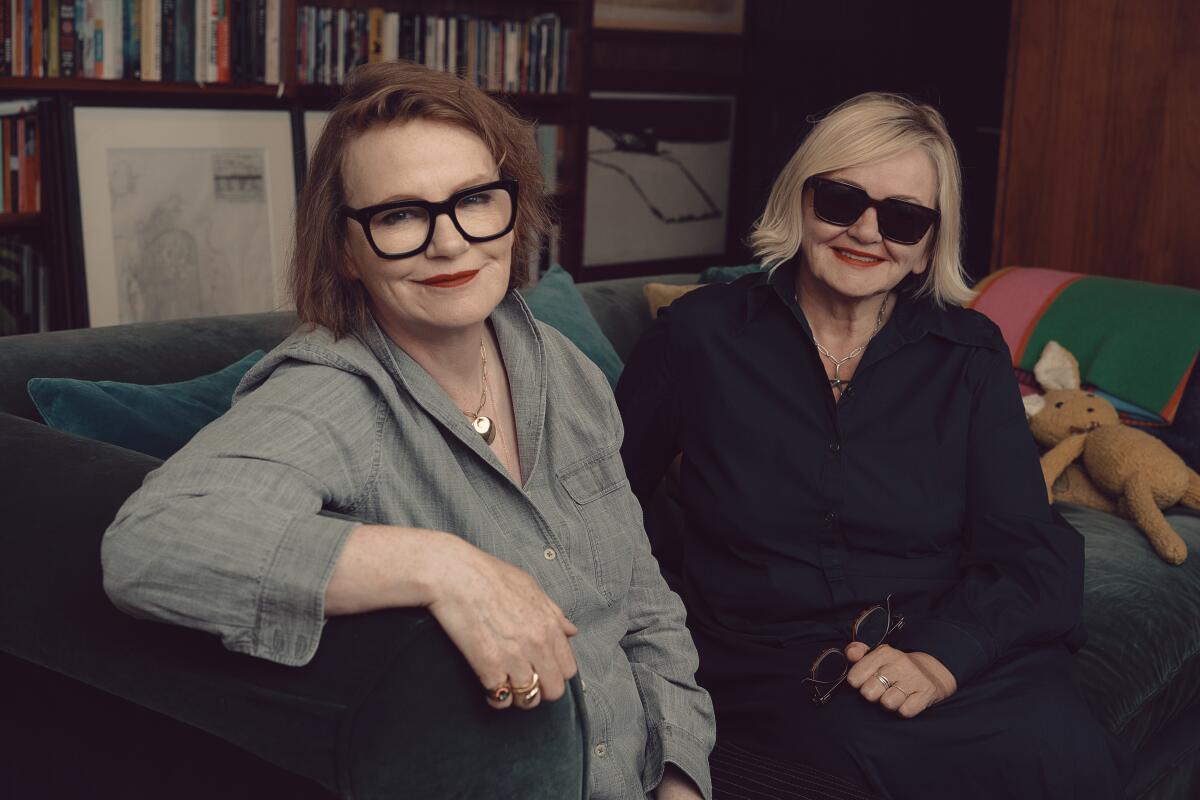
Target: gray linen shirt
[[226, 535]]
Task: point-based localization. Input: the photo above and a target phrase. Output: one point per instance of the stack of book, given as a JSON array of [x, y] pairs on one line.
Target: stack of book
[[207, 41], [498, 56], [24, 292], [20, 164]]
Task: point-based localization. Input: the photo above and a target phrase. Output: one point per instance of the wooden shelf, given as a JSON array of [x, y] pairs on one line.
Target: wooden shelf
[[48, 85], [15, 221]]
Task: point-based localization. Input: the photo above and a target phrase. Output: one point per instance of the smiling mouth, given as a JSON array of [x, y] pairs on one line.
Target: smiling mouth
[[451, 280], [856, 258]]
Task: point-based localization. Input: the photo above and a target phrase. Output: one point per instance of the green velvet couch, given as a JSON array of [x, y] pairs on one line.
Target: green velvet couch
[[105, 705]]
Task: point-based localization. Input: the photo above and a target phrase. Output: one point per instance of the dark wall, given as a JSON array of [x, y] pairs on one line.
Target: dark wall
[[804, 57]]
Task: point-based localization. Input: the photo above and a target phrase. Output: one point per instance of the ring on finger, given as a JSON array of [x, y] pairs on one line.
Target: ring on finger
[[500, 694], [887, 684], [533, 684], [527, 698]]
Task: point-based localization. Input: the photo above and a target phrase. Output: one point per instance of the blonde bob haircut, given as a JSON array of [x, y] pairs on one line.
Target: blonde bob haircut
[[872, 127]]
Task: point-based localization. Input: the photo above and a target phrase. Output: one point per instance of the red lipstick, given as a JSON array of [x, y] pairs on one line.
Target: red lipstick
[[845, 254], [451, 280]]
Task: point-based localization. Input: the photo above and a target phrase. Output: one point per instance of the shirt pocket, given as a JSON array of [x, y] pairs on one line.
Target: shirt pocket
[[600, 492]]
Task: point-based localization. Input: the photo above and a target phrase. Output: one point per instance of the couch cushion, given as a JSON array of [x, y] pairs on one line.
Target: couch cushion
[[1140, 668], [556, 301], [156, 420], [619, 306]]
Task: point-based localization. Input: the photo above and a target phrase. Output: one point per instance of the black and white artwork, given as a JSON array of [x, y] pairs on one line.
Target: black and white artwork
[[190, 232], [658, 177], [185, 213]]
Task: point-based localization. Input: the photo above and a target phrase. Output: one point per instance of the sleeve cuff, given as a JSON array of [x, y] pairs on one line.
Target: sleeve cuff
[[291, 606], [960, 651], [671, 744]]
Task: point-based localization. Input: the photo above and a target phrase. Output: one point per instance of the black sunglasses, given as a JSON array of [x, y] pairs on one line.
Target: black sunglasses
[[404, 228], [842, 204], [871, 628]]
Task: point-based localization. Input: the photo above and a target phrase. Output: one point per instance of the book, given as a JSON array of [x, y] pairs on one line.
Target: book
[[375, 25], [66, 38], [114, 42], [167, 20], [185, 40], [271, 41]]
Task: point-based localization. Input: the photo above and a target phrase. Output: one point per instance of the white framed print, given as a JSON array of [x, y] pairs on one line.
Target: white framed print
[[184, 212], [314, 123], [658, 177]]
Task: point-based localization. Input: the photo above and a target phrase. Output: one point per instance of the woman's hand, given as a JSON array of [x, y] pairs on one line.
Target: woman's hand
[[676, 786], [502, 622], [918, 680]]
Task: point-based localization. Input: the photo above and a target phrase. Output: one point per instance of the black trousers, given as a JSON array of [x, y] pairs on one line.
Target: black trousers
[[1020, 729]]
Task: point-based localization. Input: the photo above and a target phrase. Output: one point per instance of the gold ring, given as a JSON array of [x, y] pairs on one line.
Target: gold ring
[[500, 693], [527, 698], [533, 684], [886, 683]]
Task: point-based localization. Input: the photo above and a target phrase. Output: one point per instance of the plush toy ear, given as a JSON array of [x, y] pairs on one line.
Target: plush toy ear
[[1057, 368], [1034, 403]]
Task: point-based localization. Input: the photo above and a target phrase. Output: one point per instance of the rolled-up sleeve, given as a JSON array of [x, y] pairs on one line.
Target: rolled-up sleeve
[[1022, 578], [227, 535]]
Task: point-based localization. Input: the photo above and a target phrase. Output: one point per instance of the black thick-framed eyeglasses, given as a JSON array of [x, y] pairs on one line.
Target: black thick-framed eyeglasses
[[404, 228], [872, 627], [842, 204]]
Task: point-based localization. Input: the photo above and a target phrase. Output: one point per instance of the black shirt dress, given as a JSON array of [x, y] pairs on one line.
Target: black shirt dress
[[921, 484]]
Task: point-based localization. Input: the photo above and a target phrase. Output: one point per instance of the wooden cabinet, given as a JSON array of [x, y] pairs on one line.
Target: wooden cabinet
[[1100, 158]]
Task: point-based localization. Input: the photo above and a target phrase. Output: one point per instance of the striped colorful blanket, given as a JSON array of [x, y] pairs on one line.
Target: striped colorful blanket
[[1135, 341]]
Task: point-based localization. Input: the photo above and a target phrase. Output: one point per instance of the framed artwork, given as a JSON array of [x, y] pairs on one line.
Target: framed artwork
[[690, 16], [658, 177], [183, 212], [314, 123]]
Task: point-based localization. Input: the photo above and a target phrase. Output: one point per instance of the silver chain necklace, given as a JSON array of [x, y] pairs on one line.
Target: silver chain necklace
[[836, 382]]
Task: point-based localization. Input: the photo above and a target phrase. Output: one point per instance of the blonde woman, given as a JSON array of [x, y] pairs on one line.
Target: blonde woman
[[874, 580]]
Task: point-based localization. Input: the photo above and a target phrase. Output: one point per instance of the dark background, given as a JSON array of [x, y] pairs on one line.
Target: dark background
[[799, 58]]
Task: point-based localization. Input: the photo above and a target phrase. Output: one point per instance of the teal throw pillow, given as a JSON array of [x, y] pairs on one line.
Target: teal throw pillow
[[155, 420], [556, 301], [729, 274]]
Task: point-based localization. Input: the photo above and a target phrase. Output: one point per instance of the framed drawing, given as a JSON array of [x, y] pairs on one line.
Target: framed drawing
[[690, 16], [314, 123], [183, 212], [658, 177]]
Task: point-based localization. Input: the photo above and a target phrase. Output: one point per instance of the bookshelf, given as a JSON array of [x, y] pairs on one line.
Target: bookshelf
[[49, 230]]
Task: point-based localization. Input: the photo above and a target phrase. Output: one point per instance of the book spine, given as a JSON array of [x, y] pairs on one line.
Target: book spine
[[185, 40], [21, 169], [114, 41], [34, 163], [53, 30], [391, 36], [272, 37], [35, 31], [224, 64], [212, 68], [375, 29], [6, 165], [66, 38]]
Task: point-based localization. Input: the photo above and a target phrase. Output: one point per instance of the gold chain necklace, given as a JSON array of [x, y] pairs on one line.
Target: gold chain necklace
[[482, 425], [836, 382]]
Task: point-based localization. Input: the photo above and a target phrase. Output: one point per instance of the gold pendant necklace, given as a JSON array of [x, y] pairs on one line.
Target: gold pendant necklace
[[482, 425]]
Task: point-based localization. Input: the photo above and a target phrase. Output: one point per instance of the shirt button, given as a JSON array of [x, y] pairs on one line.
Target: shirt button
[[601, 750], [830, 517], [834, 447], [583, 684], [550, 554]]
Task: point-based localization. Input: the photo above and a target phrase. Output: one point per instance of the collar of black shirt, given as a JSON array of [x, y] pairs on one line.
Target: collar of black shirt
[[912, 319]]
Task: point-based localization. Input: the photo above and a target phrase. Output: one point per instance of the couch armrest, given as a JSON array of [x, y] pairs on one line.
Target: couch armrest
[[387, 707]]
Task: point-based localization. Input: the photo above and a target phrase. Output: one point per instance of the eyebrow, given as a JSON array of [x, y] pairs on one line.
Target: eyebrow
[[476, 180], [906, 197]]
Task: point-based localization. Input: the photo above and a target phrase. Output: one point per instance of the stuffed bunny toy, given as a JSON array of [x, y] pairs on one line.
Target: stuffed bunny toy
[[1119, 463]]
